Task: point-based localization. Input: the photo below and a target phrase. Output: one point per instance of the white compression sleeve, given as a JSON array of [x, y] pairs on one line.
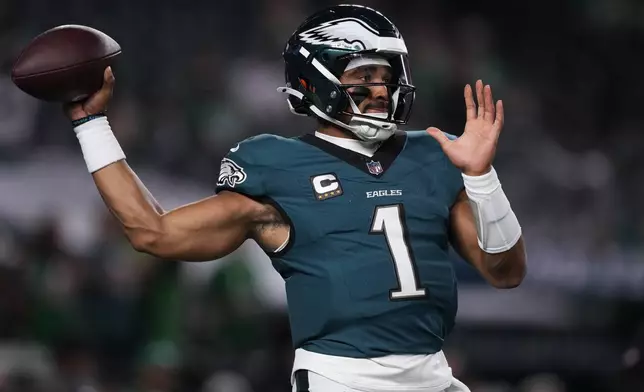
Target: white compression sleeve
[[497, 226], [98, 143]]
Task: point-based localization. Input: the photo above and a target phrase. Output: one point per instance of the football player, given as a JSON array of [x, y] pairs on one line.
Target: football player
[[357, 216]]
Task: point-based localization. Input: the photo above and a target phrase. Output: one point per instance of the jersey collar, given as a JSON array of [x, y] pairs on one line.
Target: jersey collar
[[375, 165]]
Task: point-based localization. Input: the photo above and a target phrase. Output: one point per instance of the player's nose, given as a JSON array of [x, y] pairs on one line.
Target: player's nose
[[379, 92]]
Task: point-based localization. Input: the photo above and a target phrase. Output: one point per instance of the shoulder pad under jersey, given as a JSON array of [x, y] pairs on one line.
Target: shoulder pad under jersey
[[245, 166]]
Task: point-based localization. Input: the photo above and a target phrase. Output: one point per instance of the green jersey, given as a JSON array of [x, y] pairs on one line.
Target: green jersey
[[366, 268]]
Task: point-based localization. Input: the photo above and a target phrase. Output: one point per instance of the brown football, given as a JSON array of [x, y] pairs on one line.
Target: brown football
[[65, 64]]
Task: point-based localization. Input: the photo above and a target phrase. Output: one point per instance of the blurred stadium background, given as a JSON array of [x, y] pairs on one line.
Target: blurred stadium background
[[81, 311]]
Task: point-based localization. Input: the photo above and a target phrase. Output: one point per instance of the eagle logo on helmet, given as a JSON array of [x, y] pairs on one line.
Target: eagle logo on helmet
[[230, 173], [345, 33]]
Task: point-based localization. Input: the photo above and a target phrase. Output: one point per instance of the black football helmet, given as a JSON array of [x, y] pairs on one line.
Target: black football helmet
[[318, 53]]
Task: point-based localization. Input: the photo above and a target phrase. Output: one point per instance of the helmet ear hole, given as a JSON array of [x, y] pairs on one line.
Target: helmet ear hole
[[297, 106]]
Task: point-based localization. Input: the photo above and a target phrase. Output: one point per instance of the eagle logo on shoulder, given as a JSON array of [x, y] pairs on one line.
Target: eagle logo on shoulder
[[230, 173]]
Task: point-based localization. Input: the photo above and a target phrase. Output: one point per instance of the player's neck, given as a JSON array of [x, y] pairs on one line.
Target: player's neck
[[341, 139], [336, 132]]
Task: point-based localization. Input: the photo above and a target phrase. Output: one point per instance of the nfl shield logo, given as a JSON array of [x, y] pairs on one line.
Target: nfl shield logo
[[374, 168]]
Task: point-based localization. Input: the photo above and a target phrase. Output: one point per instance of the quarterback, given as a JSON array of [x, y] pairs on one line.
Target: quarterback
[[357, 216]]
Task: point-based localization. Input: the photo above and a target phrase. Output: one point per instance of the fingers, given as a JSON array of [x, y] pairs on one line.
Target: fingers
[[500, 117], [488, 109], [440, 137], [470, 106], [479, 98]]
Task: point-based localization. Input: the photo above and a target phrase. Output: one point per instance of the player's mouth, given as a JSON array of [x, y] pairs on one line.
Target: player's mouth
[[377, 107], [377, 110]]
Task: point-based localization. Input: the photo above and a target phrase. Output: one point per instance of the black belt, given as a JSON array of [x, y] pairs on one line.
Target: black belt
[[302, 380]]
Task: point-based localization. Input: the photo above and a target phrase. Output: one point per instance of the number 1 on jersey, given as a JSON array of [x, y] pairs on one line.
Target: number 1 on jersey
[[389, 220]]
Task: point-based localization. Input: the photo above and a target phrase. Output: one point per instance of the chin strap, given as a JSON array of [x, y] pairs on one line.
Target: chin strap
[[365, 129]]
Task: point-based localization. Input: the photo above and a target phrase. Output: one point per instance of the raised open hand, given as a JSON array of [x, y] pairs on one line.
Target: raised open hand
[[473, 152]]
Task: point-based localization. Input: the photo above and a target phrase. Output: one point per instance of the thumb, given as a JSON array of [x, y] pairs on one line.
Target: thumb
[[108, 77], [440, 137], [99, 100]]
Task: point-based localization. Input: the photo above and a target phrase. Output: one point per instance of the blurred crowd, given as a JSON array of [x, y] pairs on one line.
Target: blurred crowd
[[81, 311]]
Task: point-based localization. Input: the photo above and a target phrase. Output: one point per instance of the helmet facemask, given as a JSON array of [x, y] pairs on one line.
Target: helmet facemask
[[377, 125]]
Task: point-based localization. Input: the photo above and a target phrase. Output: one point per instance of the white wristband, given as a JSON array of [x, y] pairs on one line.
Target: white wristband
[[98, 143], [497, 226]]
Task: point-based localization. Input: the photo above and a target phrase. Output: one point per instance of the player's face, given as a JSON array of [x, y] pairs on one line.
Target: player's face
[[369, 99]]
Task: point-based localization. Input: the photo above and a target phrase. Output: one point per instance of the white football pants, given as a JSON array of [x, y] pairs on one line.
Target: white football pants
[[313, 382]]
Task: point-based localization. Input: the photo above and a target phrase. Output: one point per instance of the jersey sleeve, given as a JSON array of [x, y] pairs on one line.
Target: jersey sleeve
[[453, 177], [241, 172]]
